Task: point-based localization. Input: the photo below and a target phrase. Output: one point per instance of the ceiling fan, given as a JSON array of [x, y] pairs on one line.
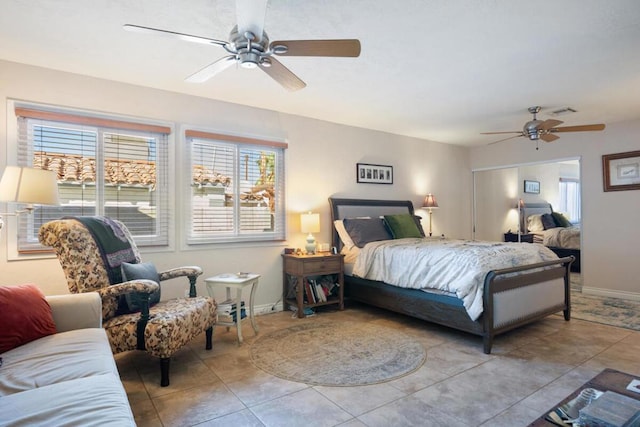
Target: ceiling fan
[[544, 130], [249, 47]]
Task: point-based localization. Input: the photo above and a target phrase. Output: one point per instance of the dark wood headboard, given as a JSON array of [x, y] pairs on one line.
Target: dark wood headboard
[[353, 208]]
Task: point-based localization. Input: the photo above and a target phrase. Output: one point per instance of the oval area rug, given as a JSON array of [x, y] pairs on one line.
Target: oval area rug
[[337, 354]]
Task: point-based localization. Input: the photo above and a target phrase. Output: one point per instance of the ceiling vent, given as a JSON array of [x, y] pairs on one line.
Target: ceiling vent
[[563, 111]]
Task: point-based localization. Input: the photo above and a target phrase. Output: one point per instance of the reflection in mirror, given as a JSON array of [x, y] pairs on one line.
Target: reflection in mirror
[[504, 211]]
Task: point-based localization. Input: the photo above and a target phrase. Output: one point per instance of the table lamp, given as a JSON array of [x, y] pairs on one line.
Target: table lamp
[[430, 202], [310, 223], [28, 186]]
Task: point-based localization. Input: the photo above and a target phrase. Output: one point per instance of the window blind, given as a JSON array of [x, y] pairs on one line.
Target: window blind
[[569, 199], [104, 167], [237, 189]]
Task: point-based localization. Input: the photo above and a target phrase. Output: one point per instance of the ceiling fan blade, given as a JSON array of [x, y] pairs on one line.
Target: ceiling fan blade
[[172, 34], [211, 70], [282, 75], [250, 15], [583, 128], [548, 124], [505, 139], [498, 133], [342, 47], [548, 137]]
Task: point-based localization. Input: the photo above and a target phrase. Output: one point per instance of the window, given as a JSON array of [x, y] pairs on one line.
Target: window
[[237, 189], [570, 199], [105, 167]]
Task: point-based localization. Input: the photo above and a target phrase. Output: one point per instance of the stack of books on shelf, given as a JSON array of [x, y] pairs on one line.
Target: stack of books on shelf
[[320, 290], [227, 311]]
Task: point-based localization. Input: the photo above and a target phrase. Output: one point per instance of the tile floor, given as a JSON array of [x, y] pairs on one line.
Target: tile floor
[[529, 370]]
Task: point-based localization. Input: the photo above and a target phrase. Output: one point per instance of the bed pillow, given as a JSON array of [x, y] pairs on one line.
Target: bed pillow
[[344, 236], [363, 231], [534, 223], [548, 222], [143, 270], [560, 220], [402, 226], [25, 316]]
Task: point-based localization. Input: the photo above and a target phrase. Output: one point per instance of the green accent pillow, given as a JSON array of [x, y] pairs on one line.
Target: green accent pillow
[[560, 220], [402, 226], [143, 270]]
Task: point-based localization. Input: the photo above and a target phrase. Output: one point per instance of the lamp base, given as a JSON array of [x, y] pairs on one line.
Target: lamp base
[[311, 245], [430, 215]]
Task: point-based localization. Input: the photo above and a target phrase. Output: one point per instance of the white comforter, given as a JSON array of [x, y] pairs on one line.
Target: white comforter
[[455, 266], [561, 237]]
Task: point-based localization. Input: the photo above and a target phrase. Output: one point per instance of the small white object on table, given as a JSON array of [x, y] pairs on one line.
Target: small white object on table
[[237, 281]]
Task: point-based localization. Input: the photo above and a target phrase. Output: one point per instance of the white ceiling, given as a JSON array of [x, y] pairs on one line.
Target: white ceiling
[[443, 70]]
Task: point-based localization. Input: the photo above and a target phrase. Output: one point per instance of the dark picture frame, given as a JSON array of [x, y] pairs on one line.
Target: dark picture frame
[[532, 187], [367, 173], [621, 171]]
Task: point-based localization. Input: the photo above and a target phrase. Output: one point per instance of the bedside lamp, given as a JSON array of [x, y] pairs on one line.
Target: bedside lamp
[[430, 202], [28, 186], [310, 223]]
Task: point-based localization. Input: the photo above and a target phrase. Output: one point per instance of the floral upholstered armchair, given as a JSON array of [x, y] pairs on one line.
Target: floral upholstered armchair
[[161, 328]]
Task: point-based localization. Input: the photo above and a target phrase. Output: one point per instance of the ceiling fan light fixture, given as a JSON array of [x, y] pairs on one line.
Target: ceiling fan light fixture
[[249, 47], [249, 60], [531, 128], [544, 130]]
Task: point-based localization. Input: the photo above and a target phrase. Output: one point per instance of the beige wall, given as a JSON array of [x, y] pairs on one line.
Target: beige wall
[[321, 161], [610, 231]]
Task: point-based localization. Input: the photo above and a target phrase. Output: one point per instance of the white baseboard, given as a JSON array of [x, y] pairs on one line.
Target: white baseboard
[[267, 308], [633, 296]]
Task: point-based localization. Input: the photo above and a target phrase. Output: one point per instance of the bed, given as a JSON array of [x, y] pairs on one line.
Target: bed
[[511, 296], [563, 240]]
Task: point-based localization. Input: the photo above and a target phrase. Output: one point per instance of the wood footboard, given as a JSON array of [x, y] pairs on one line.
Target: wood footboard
[[512, 297], [519, 295]]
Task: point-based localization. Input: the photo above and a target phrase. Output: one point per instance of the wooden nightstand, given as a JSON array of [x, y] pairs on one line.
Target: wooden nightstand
[[299, 272], [513, 237]]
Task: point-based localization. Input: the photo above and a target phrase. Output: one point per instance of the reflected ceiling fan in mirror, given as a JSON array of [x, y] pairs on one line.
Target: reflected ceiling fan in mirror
[[544, 130], [249, 47]]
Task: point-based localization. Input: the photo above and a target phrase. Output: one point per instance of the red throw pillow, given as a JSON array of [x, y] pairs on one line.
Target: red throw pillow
[[25, 315]]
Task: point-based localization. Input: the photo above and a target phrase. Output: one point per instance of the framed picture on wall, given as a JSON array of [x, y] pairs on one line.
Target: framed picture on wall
[[532, 187], [374, 174], [621, 171]]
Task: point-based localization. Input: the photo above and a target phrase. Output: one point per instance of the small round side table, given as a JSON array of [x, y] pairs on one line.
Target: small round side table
[[234, 281]]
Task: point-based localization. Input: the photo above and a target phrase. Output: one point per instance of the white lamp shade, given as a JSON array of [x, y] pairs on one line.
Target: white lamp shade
[[29, 186], [310, 223]]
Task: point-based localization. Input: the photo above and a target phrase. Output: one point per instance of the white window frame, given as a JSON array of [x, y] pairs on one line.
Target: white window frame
[[109, 124], [236, 143]]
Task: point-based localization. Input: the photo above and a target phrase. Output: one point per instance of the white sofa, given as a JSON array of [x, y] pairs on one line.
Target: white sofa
[[68, 378]]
